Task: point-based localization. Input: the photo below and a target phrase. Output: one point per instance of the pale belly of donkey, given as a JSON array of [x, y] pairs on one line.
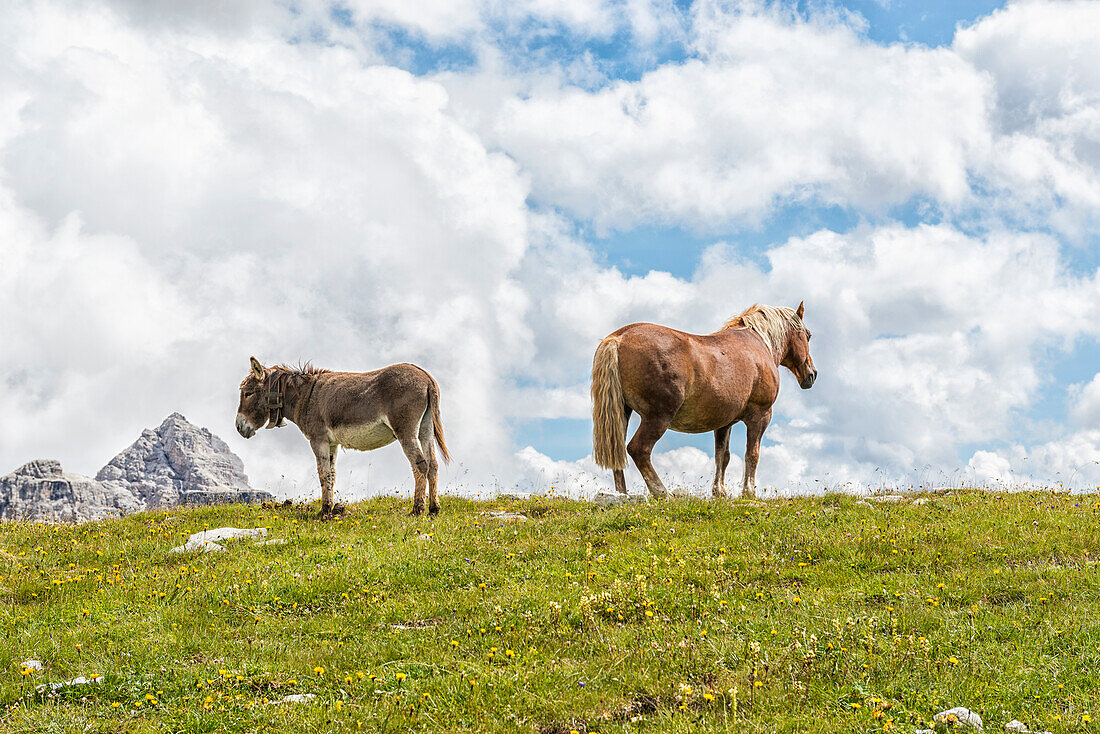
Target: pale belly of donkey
[[364, 437]]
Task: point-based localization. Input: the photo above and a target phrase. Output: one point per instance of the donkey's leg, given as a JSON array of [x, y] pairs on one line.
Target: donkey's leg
[[721, 460], [427, 444], [326, 472], [755, 423], [619, 474], [410, 442], [641, 447]]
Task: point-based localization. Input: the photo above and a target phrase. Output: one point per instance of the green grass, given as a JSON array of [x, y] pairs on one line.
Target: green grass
[[801, 615]]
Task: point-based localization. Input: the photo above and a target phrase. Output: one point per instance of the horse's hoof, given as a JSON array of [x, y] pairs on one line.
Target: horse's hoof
[[338, 510], [433, 511], [417, 511]]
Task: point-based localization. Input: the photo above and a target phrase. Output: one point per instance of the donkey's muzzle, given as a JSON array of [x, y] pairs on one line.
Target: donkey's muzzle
[[808, 380], [244, 427]]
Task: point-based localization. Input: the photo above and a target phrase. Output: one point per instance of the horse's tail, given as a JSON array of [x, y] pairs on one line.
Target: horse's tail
[[608, 408], [437, 421]]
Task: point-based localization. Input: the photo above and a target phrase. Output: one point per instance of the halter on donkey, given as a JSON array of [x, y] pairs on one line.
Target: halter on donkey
[[694, 383]]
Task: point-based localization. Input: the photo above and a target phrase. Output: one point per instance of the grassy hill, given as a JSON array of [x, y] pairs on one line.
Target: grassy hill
[[802, 615]]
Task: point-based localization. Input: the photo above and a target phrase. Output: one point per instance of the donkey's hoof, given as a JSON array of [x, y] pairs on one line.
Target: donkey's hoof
[[433, 510], [417, 510]]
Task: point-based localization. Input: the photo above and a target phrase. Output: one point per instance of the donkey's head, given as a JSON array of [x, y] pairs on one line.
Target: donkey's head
[[252, 413], [798, 359]]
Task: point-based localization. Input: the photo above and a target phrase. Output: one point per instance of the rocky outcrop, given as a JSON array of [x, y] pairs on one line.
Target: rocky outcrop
[[177, 463], [41, 491]]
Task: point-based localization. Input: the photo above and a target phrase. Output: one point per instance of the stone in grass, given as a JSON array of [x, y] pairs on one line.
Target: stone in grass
[[505, 515], [959, 716], [1018, 726], [614, 499], [31, 664], [296, 698], [78, 681], [206, 541]]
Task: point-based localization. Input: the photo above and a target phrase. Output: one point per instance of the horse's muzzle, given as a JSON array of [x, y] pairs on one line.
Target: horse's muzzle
[[244, 427], [808, 380]]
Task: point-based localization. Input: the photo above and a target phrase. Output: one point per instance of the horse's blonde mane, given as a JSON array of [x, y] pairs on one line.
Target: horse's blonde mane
[[770, 323]]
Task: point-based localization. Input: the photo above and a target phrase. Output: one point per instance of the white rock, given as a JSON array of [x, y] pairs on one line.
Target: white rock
[[1015, 725], [503, 515], [863, 503], [206, 541], [296, 698], [78, 681], [965, 717], [273, 541], [887, 498], [31, 664], [923, 731], [614, 499]]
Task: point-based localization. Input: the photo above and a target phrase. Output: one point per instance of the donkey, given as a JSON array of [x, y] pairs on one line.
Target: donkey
[[356, 410], [694, 383]]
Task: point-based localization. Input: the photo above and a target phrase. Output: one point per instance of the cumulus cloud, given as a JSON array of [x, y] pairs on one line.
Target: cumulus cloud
[[182, 189], [1084, 403], [182, 203], [771, 109]]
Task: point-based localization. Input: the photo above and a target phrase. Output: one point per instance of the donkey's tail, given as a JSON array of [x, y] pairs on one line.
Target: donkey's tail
[[437, 422], [608, 408]]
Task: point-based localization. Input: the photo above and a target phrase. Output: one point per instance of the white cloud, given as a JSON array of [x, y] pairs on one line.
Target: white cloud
[[241, 197], [1084, 403], [778, 109], [771, 111], [184, 189]]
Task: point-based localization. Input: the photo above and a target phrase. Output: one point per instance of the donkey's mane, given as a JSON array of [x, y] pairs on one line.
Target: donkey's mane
[[770, 323], [290, 372]]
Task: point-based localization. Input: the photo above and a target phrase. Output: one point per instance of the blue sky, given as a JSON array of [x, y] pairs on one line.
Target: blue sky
[[487, 189]]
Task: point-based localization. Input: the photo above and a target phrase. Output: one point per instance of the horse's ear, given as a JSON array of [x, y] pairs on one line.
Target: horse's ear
[[801, 309], [257, 368]]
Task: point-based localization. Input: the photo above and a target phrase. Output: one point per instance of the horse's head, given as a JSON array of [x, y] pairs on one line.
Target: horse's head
[[252, 413], [798, 359]]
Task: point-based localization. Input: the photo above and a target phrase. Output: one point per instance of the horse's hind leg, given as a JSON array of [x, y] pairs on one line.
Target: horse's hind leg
[[410, 443], [427, 444], [619, 474], [721, 460], [640, 449]]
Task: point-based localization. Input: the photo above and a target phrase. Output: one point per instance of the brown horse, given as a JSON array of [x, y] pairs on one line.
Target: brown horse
[[356, 410], [694, 383]]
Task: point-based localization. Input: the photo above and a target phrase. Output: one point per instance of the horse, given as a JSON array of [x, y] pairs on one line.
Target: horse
[[356, 410], [694, 383]]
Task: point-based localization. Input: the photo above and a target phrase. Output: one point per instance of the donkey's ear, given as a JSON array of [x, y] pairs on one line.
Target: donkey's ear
[[801, 309], [257, 368]]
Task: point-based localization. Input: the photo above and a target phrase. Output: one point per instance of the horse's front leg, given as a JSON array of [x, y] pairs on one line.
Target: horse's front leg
[[325, 453], [755, 423], [721, 460]]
